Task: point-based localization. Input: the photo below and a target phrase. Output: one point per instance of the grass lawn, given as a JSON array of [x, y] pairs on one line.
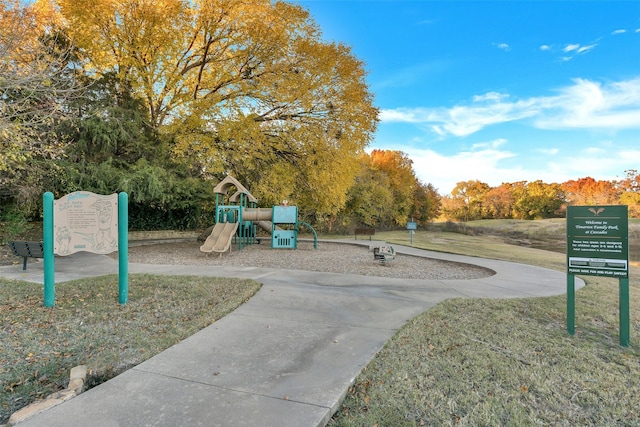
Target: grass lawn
[[87, 326], [464, 362], [504, 362]]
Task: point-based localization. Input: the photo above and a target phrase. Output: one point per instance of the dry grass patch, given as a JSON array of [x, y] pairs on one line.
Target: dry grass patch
[[88, 326], [504, 362], [486, 246]]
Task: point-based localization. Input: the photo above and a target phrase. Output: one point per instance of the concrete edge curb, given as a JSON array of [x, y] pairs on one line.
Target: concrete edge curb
[[77, 379]]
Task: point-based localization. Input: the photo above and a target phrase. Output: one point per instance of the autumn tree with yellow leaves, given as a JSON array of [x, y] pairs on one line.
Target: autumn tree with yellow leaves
[[36, 83], [246, 87]]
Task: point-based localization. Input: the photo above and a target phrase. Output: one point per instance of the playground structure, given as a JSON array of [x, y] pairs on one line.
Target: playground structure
[[237, 218]]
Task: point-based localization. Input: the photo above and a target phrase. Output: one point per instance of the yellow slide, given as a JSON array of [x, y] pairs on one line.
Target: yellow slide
[[224, 241], [220, 238]]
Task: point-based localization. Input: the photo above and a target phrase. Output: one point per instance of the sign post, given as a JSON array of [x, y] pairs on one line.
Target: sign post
[[598, 245], [411, 226], [123, 248], [47, 243]]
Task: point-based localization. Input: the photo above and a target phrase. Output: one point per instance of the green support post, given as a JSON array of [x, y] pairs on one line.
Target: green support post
[[47, 238], [123, 248], [624, 311], [571, 304]]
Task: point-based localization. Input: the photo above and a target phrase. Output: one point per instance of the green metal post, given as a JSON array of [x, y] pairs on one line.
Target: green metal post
[[296, 230], [624, 311], [571, 304], [215, 219], [123, 247], [47, 238]]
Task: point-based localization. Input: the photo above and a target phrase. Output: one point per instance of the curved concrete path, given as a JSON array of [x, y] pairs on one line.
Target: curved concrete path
[[285, 358]]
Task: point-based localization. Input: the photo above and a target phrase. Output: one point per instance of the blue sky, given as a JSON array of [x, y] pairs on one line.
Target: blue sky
[[499, 91]]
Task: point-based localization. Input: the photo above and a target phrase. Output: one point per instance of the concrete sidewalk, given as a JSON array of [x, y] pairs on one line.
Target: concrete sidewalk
[[285, 358]]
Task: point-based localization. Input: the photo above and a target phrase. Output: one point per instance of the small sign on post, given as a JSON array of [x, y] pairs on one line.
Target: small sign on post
[[598, 245], [411, 226]]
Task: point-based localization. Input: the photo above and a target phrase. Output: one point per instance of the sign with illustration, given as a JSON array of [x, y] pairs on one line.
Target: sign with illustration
[[84, 221], [598, 240]]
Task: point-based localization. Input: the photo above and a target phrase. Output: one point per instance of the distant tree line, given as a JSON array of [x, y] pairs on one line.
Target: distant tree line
[[473, 200]]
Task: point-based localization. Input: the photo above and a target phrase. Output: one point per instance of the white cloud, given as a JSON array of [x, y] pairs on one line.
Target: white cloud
[[592, 105], [585, 49], [444, 172], [571, 47], [503, 46], [616, 32], [549, 151], [403, 115], [486, 165], [599, 164], [466, 120], [595, 151], [490, 96], [576, 49], [489, 145], [545, 47], [584, 104]]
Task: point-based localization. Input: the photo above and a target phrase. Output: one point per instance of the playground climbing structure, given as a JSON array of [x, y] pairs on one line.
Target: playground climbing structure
[[237, 217]]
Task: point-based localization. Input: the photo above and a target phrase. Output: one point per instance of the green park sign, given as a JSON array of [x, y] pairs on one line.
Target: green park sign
[[598, 245], [598, 241]]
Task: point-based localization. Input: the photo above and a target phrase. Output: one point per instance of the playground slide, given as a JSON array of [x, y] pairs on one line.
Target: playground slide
[[261, 216], [224, 241], [265, 225], [208, 244]]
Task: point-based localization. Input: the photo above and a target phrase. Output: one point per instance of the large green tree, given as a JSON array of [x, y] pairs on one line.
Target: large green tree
[[426, 203], [387, 192], [537, 200], [371, 200], [466, 202], [244, 86], [112, 147], [398, 167]]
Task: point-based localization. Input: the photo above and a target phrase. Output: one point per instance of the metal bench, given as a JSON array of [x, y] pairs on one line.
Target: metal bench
[[364, 232], [26, 250], [383, 254]]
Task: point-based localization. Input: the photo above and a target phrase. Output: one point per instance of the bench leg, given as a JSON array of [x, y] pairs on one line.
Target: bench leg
[[24, 263]]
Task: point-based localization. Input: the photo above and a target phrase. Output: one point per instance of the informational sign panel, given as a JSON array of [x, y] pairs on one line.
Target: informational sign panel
[[598, 241], [412, 225], [84, 221]]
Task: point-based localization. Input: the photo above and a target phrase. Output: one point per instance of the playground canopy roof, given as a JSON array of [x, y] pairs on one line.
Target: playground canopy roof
[[228, 182]]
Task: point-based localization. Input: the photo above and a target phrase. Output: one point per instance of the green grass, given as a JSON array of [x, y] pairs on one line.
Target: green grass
[[87, 326], [464, 362], [503, 362]]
